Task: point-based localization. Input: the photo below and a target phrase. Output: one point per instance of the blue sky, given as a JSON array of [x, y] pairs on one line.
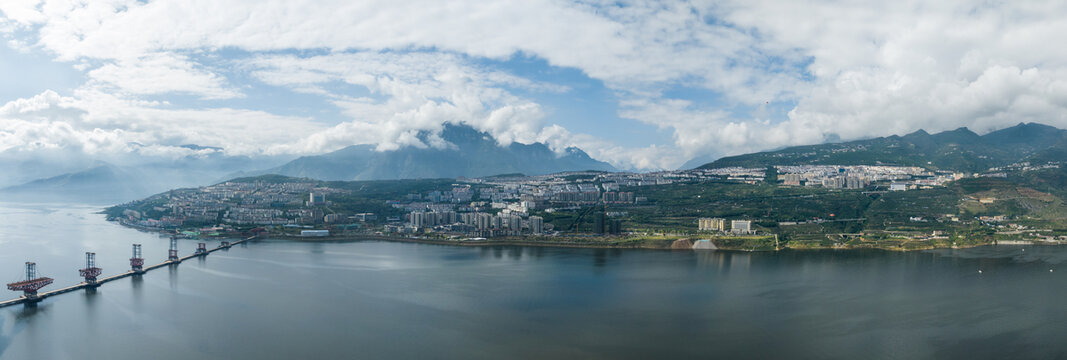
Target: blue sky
[[29, 73], [642, 84]]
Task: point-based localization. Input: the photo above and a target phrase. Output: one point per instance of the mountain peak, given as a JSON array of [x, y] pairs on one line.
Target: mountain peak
[[1030, 126], [1025, 133], [917, 133], [471, 153], [960, 135], [573, 150], [458, 133], [196, 147]]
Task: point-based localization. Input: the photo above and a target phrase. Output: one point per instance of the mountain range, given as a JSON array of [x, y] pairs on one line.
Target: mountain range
[[470, 153], [89, 180], [103, 183], [957, 150]]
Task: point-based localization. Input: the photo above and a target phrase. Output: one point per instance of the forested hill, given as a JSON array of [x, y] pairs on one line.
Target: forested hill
[[960, 150]]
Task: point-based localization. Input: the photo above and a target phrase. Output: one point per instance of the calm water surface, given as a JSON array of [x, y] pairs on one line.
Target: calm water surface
[[284, 300]]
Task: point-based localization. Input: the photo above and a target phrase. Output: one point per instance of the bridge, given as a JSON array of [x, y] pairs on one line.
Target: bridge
[[91, 273]]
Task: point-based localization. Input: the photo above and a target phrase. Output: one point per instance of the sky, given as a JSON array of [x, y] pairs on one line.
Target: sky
[[643, 85]]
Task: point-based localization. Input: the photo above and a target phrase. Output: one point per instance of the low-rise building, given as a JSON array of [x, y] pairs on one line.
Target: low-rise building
[[741, 226], [711, 224]]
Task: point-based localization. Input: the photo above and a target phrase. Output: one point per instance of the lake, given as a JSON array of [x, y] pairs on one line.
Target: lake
[[273, 299]]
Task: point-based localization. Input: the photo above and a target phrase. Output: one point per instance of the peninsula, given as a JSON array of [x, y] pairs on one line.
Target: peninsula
[[887, 207], [918, 191]]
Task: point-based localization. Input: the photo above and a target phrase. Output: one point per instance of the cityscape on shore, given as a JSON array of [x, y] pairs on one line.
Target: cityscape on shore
[[505, 206]]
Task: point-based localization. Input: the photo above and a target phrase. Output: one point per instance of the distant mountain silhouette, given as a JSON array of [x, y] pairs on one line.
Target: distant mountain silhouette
[[959, 149], [697, 162], [471, 154], [100, 184]]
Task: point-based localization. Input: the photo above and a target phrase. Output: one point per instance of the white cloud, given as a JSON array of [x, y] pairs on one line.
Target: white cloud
[[22, 12], [884, 68], [853, 69], [161, 73], [639, 48], [894, 67], [408, 92], [640, 43], [98, 123]]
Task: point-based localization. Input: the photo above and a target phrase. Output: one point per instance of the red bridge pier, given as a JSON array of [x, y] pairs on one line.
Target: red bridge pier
[[137, 261], [201, 249], [32, 283], [172, 255], [90, 272]]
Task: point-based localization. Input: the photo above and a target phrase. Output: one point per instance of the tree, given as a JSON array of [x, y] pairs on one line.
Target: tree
[[772, 175]]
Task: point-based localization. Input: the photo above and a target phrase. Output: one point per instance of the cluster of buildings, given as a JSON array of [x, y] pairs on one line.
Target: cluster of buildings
[[459, 194], [737, 227], [471, 224], [861, 176], [1003, 171], [502, 206], [241, 204], [521, 194], [738, 174], [494, 206], [1025, 166]]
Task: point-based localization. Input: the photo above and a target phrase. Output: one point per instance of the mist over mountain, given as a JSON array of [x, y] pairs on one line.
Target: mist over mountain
[[960, 149], [22, 167], [470, 153], [68, 175], [64, 175], [697, 161], [100, 184]]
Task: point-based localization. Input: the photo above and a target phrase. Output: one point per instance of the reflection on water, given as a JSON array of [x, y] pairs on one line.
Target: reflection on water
[[316, 248], [172, 275], [136, 290], [287, 300], [91, 310], [27, 311]]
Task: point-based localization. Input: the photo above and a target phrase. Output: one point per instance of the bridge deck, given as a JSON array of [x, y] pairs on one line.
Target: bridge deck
[[10, 302], [103, 280]]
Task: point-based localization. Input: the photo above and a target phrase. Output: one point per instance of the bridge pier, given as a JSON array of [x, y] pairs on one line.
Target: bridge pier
[[137, 261], [30, 286], [33, 283], [90, 272], [172, 254]]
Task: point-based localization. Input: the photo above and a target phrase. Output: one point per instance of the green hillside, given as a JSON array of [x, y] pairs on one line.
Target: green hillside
[[958, 150]]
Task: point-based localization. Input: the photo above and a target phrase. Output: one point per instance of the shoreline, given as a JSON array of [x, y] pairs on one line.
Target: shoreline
[[648, 244], [470, 243]]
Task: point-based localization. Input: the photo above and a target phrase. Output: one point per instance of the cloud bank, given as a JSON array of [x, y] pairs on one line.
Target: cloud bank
[[720, 77]]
